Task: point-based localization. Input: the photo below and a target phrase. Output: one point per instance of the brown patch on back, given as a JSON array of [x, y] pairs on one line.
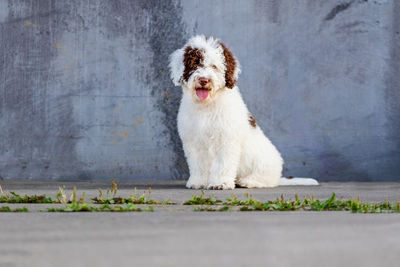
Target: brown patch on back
[[252, 121], [230, 67], [192, 59]]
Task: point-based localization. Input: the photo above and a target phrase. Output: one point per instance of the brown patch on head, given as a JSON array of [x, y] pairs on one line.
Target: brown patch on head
[[192, 59], [252, 121], [230, 62]]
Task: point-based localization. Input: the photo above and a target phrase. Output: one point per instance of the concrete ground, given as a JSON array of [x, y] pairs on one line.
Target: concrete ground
[[177, 236]]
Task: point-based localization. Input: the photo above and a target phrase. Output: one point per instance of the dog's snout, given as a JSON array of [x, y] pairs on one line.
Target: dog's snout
[[203, 81]]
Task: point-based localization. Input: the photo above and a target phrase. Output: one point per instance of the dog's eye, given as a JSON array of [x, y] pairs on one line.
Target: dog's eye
[[214, 67]]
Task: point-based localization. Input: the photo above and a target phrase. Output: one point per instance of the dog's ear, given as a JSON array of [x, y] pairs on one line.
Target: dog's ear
[[232, 67], [192, 59], [176, 66]]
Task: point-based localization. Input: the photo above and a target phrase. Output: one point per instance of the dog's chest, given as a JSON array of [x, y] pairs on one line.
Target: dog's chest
[[203, 128]]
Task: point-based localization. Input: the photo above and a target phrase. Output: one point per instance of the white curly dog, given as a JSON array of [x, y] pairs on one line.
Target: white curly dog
[[223, 144]]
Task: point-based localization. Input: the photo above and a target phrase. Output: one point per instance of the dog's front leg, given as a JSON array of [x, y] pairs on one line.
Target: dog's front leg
[[224, 167], [198, 170]]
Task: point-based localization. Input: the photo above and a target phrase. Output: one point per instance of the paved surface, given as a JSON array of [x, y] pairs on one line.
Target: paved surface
[[181, 237]]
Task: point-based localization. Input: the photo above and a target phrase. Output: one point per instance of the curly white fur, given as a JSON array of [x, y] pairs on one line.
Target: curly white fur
[[221, 146]]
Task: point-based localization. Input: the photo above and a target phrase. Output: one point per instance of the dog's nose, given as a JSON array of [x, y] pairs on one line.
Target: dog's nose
[[203, 81]]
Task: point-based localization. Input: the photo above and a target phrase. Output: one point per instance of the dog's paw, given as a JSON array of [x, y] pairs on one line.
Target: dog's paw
[[195, 186], [195, 182], [223, 186]]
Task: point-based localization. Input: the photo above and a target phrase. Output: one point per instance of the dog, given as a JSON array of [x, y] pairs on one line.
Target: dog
[[222, 142]]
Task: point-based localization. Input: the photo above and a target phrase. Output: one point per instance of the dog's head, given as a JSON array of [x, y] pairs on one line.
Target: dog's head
[[204, 67]]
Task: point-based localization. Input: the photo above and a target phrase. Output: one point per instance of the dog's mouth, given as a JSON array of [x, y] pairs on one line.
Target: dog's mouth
[[202, 92]]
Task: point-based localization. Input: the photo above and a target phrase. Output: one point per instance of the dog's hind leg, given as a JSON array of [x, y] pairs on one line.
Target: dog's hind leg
[[254, 181]]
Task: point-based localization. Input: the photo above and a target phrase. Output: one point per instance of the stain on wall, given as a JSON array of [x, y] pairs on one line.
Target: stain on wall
[[166, 35], [392, 92], [38, 133], [337, 9], [85, 92]]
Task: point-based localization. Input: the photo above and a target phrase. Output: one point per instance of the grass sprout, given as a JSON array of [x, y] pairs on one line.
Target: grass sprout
[[8, 209], [84, 207], [331, 204], [234, 201], [113, 199], [210, 208], [110, 202], [202, 200], [13, 197]]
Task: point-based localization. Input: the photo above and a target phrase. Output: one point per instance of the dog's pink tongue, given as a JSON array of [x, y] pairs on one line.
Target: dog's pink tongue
[[202, 94]]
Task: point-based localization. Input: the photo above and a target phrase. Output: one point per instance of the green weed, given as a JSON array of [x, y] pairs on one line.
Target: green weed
[[234, 201], [108, 201], [79, 206], [75, 207], [112, 199], [8, 209], [13, 197], [202, 200], [209, 208], [331, 204]]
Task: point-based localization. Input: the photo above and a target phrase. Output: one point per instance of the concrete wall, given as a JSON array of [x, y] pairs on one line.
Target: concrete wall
[[85, 92]]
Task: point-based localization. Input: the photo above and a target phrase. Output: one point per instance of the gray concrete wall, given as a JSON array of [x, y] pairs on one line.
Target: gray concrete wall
[[85, 92]]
